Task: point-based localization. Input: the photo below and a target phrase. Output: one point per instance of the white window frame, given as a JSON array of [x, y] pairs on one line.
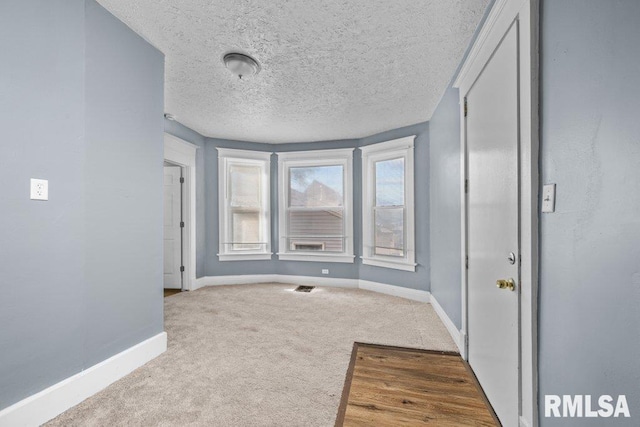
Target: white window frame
[[315, 158], [394, 149], [227, 157]]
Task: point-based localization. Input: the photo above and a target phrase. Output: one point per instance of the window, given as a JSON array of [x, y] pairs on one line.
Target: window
[[387, 205], [316, 219], [243, 195]]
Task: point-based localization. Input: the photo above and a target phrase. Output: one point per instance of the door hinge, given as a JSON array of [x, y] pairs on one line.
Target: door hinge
[[181, 224], [182, 269], [466, 186], [466, 261], [466, 108], [181, 180]]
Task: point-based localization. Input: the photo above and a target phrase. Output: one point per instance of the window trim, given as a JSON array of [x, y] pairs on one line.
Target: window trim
[[313, 158], [388, 150], [227, 156]]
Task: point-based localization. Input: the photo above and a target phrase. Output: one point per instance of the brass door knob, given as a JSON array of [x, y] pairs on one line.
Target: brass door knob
[[506, 284]]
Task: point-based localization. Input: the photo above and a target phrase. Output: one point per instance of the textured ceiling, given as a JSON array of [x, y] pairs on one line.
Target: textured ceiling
[[331, 69]]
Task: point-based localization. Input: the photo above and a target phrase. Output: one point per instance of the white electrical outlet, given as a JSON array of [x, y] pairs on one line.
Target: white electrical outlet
[[325, 271], [39, 189], [548, 198]]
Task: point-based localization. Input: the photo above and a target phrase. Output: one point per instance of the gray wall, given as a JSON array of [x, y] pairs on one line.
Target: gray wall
[[589, 325], [417, 280], [42, 251], [124, 101], [82, 272], [445, 206], [444, 182], [178, 130]]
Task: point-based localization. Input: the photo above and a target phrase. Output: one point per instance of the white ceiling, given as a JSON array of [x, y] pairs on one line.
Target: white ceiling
[[331, 69]]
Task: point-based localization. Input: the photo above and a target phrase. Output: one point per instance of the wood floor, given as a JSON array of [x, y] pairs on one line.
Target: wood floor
[[392, 386], [169, 292]]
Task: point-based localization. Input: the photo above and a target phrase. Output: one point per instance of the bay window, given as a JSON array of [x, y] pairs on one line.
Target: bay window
[[315, 205], [388, 205], [243, 195]]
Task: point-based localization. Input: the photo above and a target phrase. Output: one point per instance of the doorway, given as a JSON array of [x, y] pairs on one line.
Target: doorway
[[498, 86], [182, 154], [492, 228], [173, 210]]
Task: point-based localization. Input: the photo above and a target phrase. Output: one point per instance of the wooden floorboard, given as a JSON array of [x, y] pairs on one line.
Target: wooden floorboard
[[392, 386], [169, 292]]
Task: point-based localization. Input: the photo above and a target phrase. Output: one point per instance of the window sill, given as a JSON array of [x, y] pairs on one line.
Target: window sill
[[248, 256], [347, 259], [390, 264]]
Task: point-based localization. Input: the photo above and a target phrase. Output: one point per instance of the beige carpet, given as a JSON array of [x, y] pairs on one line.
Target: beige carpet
[[257, 355]]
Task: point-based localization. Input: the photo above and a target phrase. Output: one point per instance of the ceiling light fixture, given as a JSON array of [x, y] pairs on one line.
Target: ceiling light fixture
[[241, 65]]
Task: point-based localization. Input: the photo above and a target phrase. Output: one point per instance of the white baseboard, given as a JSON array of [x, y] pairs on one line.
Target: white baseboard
[[244, 279], [396, 291], [275, 278], [455, 333], [332, 282], [463, 340], [51, 402]]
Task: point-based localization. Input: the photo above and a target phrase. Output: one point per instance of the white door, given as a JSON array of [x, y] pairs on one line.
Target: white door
[[492, 233], [172, 229]]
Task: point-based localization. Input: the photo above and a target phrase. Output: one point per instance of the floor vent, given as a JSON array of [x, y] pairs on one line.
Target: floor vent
[[304, 288]]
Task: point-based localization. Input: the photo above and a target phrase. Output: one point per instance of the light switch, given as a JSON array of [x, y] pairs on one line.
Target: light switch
[[548, 198], [39, 189]]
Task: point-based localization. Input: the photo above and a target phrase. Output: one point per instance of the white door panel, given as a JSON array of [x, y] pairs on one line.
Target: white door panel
[[172, 230], [492, 228]]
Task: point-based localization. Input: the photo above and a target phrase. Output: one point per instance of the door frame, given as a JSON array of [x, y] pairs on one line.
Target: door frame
[[502, 15], [167, 164], [183, 153]]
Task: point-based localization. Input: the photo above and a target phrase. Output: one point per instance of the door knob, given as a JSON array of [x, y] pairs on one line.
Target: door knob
[[506, 284]]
